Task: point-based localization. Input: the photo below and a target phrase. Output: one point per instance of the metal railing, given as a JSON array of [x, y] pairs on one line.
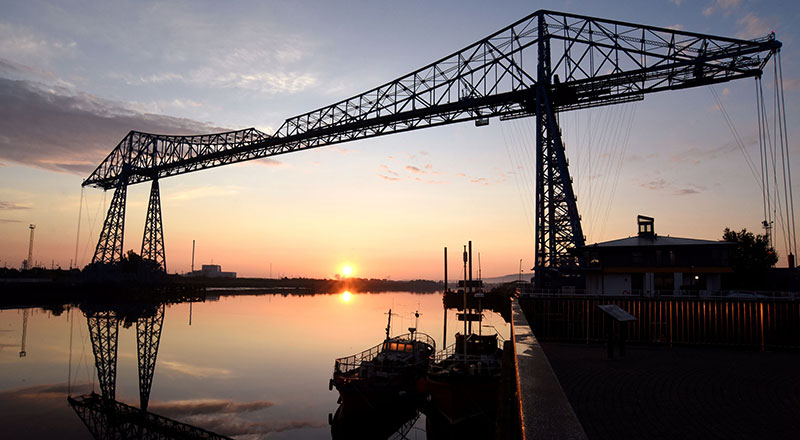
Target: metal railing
[[690, 293], [450, 355], [349, 363], [755, 322]]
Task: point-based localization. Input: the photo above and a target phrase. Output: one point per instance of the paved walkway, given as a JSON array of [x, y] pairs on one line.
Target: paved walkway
[[683, 392]]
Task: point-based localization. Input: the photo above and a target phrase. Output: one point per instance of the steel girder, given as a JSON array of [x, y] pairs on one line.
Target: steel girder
[[153, 237], [589, 61], [148, 337], [108, 419], [104, 334], [558, 226], [599, 62], [109, 245]]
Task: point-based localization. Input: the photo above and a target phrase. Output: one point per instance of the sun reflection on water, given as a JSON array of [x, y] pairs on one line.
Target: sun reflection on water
[[347, 296]]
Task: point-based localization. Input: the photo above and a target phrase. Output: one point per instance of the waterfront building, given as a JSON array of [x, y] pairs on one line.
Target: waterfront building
[[650, 264]]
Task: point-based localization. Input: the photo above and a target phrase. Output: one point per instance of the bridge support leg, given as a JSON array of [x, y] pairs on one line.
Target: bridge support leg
[[558, 225], [109, 245], [153, 239], [148, 336], [104, 331]]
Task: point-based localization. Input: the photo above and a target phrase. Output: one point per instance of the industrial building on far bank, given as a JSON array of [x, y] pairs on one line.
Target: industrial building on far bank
[[211, 271]]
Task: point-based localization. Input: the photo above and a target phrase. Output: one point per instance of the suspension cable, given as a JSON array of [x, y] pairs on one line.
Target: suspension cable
[[737, 139], [764, 195], [778, 146], [78, 235], [785, 128], [766, 146]]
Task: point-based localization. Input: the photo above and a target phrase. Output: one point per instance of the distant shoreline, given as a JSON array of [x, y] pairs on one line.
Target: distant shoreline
[[63, 287]]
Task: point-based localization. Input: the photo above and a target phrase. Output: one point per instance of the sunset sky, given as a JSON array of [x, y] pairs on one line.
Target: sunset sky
[[75, 77]]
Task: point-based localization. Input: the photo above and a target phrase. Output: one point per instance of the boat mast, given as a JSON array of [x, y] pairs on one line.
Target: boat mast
[[465, 292], [389, 324], [471, 288], [444, 333], [465, 306]]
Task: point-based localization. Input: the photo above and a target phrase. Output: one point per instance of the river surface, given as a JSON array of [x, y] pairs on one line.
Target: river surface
[[246, 366]]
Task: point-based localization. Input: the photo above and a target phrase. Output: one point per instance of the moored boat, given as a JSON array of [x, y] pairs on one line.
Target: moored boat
[[464, 380], [385, 376]]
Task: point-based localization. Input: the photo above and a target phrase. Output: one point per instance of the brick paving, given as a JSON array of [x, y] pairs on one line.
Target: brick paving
[[680, 393]]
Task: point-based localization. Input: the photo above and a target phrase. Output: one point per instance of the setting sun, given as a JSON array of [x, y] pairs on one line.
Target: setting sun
[[347, 270]]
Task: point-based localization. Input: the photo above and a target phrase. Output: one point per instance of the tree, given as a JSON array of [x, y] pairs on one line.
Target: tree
[[132, 266], [752, 258]]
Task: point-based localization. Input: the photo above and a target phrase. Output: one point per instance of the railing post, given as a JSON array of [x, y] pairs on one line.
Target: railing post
[[761, 323]]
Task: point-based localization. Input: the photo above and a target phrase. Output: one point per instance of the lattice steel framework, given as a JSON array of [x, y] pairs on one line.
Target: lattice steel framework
[[559, 227], [153, 238], [109, 245], [108, 419], [104, 334], [148, 337], [543, 64]]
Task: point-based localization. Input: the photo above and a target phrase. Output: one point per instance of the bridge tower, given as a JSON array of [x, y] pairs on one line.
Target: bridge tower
[[148, 337], [558, 226], [104, 333], [109, 245]]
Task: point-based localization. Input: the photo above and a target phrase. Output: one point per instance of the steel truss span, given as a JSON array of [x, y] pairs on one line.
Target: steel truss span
[[543, 64], [108, 419]]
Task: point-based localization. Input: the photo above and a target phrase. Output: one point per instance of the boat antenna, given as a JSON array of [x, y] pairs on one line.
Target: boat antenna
[[445, 268], [444, 300], [389, 324], [465, 292], [470, 266], [479, 266], [471, 287], [416, 324]]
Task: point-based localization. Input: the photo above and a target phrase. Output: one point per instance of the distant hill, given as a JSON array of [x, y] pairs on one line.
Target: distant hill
[[526, 276]]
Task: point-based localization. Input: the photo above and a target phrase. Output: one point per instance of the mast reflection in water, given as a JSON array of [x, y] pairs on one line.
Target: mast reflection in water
[[246, 367]]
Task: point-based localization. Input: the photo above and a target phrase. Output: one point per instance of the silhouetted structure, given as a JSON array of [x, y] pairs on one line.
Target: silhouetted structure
[[108, 419], [212, 271], [649, 263], [103, 415], [512, 73]]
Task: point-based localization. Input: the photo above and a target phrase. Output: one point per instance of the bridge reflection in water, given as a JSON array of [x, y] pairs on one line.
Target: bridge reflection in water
[[103, 415], [107, 418]]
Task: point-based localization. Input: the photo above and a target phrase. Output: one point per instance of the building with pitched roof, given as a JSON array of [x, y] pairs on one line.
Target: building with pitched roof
[[649, 264]]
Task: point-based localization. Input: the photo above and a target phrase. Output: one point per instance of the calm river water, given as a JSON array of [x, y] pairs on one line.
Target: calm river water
[[246, 366]]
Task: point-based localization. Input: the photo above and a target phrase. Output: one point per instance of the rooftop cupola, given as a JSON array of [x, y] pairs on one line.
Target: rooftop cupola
[[646, 226]]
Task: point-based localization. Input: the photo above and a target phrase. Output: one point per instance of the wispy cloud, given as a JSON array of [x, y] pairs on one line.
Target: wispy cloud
[[721, 6], [177, 408], [663, 186], [268, 162], [479, 180], [753, 26], [414, 169], [8, 220], [27, 45], [232, 426], [6, 205], [260, 59], [195, 370]]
